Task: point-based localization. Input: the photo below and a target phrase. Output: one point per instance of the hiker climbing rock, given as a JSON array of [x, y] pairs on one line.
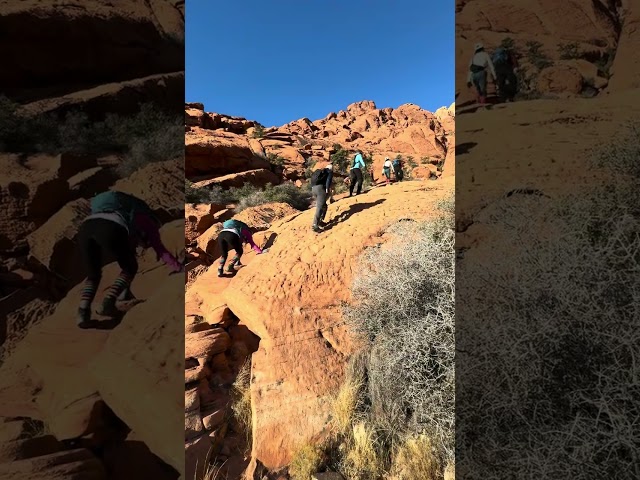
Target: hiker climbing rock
[[355, 174], [386, 169], [117, 225], [234, 233], [505, 65], [397, 169], [478, 66], [321, 182]]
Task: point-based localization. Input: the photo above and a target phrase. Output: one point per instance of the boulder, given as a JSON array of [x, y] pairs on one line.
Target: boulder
[[198, 218], [143, 354], [218, 153], [30, 192], [560, 79], [263, 216], [258, 178], [159, 184], [54, 243]]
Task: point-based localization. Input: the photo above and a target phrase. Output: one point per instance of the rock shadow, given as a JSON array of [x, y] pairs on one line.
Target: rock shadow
[[352, 210], [465, 147]]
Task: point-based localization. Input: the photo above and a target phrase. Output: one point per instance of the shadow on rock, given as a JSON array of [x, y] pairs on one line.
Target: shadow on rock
[[464, 148], [353, 209]]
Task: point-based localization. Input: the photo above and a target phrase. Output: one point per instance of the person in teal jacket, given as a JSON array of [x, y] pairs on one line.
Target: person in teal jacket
[[355, 174], [234, 233]]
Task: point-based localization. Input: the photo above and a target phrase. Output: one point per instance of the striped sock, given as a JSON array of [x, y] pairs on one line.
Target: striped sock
[[121, 284], [88, 293]]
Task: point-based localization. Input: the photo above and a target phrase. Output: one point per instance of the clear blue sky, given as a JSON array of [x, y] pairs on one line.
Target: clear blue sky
[[280, 60]]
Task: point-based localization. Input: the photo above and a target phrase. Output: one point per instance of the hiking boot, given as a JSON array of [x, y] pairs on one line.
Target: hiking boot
[[84, 317], [108, 308], [316, 229], [126, 295], [231, 268], [220, 272]]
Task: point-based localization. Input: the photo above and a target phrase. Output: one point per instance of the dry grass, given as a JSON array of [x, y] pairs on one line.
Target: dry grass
[[214, 472], [416, 458], [306, 461], [241, 406], [345, 405], [361, 458]]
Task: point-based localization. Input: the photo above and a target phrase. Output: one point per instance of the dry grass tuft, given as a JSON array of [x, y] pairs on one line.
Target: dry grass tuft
[[241, 406], [416, 458], [306, 461], [361, 459]]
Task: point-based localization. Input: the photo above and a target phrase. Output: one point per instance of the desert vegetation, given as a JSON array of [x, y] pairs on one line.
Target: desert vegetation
[[250, 196], [145, 137], [548, 369], [394, 415]]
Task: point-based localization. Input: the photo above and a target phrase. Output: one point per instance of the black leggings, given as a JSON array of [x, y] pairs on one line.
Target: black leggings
[[356, 177], [229, 241], [99, 236]]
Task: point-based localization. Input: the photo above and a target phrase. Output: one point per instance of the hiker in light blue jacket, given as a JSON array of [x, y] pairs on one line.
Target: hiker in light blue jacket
[[355, 174]]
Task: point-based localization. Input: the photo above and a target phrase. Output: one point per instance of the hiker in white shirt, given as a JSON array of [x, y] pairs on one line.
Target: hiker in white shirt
[[386, 170], [480, 62]]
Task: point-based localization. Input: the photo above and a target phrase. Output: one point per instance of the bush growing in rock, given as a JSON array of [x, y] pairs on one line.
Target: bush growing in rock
[[298, 198], [405, 316], [150, 135], [562, 335]]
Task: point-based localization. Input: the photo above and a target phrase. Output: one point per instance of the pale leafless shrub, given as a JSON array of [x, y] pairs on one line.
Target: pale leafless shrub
[[404, 309], [548, 341]]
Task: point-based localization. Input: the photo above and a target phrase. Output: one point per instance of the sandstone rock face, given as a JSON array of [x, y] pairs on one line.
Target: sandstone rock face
[[85, 31], [29, 193], [627, 57], [53, 244], [583, 30], [258, 178], [218, 153], [407, 130], [161, 185], [262, 217], [47, 374], [122, 98], [144, 353], [74, 464], [299, 321]]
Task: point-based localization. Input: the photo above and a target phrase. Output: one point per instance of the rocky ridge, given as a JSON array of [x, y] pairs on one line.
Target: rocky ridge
[[229, 151], [566, 49]]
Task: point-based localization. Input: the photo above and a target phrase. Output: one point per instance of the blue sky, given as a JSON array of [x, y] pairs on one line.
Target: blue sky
[[280, 60]]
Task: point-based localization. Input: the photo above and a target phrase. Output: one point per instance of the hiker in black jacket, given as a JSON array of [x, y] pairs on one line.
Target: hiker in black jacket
[[320, 188]]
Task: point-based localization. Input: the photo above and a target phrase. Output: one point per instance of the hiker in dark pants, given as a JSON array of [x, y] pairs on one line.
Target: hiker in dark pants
[[397, 169], [234, 233], [119, 223], [506, 66], [320, 188], [355, 174], [478, 66]]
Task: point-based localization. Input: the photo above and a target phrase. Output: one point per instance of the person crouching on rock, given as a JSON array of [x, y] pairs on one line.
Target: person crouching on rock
[[321, 181], [234, 233], [117, 225]]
